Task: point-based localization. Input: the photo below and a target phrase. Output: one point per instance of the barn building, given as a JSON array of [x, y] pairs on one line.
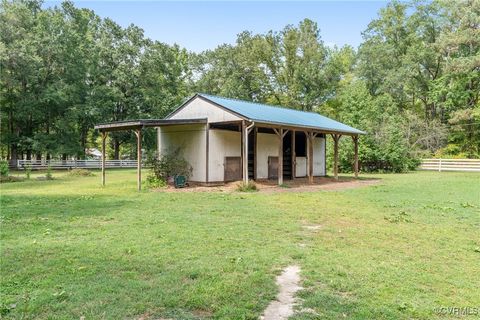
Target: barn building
[[228, 140]]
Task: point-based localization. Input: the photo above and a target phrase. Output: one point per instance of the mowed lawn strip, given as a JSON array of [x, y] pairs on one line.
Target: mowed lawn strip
[[399, 249]]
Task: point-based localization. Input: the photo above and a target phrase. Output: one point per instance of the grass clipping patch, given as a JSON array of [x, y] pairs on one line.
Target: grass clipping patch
[[402, 216], [250, 186], [80, 173]]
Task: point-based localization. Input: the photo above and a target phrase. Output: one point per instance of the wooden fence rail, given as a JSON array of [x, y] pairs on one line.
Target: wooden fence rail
[[451, 165], [69, 164]]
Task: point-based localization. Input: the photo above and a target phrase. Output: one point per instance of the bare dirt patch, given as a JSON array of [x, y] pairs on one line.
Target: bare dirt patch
[[288, 283], [313, 227], [319, 183], [270, 186], [202, 313]]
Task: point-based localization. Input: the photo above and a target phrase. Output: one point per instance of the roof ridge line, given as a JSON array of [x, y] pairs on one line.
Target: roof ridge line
[[261, 104]]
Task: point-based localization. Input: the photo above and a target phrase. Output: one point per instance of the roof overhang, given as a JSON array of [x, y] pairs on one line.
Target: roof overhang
[[145, 123], [268, 124]]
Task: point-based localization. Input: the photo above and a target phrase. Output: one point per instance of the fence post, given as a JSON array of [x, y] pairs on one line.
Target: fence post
[[440, 165]]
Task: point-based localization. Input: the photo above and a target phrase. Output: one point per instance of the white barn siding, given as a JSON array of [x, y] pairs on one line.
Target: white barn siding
[[222, 143], [319, 156], [199, 108], [318, 160], [301, 167], [191, 139], [267, 146]]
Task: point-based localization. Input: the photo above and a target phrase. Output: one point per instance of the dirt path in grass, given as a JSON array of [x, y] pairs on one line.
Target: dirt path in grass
[[288, 283], [301, 185], [298, 185]]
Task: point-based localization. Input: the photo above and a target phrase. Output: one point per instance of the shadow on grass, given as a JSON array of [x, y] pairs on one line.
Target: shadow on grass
[[28, 206]]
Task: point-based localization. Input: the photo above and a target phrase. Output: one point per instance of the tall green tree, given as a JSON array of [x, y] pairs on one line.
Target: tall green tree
[[19, 63], [291, 67]]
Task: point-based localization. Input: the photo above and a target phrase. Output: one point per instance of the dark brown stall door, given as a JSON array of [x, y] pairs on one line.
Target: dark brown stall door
[[272, 167], [233, 168]]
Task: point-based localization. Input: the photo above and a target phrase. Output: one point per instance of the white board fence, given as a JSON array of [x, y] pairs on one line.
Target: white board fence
[[70, 164], [450, 165]]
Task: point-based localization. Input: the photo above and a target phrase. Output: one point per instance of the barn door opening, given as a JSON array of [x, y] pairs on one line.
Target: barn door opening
[[272, 168], [251, 154], [287, 156], [233, 169]]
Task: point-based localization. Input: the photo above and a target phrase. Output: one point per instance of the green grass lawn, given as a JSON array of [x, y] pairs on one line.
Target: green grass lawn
[[395, 250]]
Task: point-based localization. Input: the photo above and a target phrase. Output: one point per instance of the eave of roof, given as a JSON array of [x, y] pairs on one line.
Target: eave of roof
[[143, 123]]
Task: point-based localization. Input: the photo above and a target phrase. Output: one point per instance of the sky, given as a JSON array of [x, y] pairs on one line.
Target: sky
[[198, 25]]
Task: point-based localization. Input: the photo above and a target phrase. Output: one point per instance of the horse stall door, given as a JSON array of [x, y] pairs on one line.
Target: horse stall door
[[233, 169], [272, 168]]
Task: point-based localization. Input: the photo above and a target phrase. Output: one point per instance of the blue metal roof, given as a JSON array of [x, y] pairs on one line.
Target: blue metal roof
[[280, 115]]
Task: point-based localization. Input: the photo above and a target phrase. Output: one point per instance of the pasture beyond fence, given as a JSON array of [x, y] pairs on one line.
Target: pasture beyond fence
[[450, 165], [72, 164]]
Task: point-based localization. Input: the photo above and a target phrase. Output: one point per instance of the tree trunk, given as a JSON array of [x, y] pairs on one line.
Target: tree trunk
[[116, 149], [13, 155], [47, 130], [83, 142], [13, 146]]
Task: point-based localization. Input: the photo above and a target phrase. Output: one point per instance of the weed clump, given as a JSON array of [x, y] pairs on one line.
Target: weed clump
[[4, 170], [28, 171], [80, 173], [5, 173], [154, 182], [250, 186], [49, 174], [402, 216]]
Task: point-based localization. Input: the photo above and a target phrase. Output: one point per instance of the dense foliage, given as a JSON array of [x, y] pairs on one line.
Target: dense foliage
[[169, 165], [413, 85], [64, 69], [4, 171]]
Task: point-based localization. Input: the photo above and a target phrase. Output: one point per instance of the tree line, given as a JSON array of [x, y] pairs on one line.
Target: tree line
[[413, 84]]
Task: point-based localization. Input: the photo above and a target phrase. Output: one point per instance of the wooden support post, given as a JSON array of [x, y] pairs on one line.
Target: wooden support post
[[310, 157], [355, 161], [307, 139], [245, 132], [159, 143], [244, 153], [207, 150], [280, 156], [104, 138], [310, 140], [138, 133], [294, 157], [335, 137], [255, 136], [280, 134]]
